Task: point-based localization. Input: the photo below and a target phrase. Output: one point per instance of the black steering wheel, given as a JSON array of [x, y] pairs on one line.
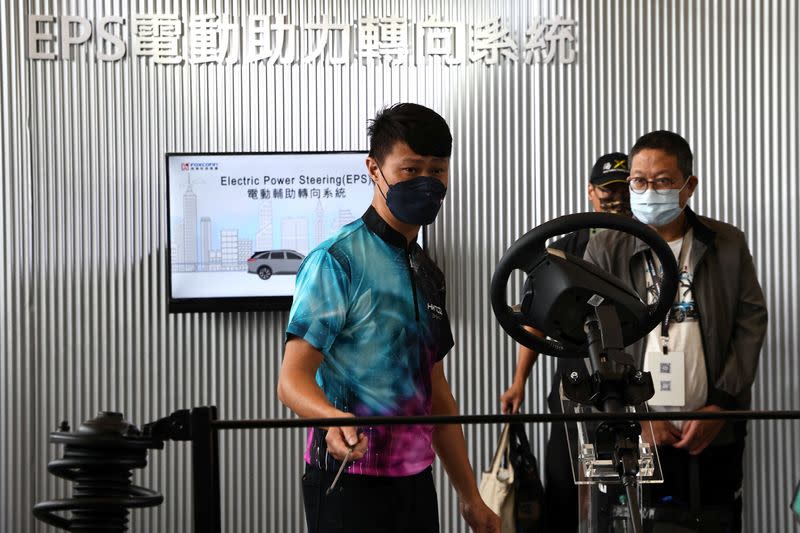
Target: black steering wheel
[[529, 252]]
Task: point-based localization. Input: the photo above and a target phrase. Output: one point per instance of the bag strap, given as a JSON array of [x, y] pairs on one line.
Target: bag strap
[[518, 433], [502, 449]]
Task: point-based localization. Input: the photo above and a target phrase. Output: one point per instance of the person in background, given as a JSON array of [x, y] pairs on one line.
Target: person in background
[[705, 355], [609, 193]]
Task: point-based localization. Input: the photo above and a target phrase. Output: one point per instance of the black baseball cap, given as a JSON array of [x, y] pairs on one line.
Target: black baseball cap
[[610, 168]]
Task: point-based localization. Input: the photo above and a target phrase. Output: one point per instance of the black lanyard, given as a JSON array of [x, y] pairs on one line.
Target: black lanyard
[[651, 266]]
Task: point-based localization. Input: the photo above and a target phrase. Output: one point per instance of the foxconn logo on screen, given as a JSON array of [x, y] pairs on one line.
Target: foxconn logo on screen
[[199, 166]]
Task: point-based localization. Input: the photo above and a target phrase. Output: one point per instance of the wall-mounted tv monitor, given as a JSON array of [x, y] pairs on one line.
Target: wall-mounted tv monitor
[[240, 224]]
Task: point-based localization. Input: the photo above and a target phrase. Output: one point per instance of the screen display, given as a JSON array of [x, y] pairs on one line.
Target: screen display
[[241, 224]]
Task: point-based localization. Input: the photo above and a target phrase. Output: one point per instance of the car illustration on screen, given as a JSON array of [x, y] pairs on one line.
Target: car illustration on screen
[[269, 262]]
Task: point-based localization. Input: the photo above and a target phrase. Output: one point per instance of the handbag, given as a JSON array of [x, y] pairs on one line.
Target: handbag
[[497, 483], [529, 498]]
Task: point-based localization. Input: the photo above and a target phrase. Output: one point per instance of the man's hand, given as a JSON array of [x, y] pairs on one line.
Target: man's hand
[[448, 441], [480, 518], [698, 434], [341, 439], [665, 433], [512, 398]]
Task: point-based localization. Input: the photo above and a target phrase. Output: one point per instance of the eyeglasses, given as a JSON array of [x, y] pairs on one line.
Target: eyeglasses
[[660, 185]]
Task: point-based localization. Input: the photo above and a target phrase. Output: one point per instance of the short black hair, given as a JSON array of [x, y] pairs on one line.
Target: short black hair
[[669, 142], [422, 129]]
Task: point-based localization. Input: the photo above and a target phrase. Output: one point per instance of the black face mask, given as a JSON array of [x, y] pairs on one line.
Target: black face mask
[[618, 207], [416, 201]]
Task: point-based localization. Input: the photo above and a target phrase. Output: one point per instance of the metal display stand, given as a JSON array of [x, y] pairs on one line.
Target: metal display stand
[[200, 427]]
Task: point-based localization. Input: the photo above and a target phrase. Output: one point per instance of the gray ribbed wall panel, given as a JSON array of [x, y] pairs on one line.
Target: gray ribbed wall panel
[[16, 316], [84, 322]]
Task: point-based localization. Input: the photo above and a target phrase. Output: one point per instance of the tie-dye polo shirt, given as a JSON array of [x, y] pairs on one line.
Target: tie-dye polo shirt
[[375, 307]]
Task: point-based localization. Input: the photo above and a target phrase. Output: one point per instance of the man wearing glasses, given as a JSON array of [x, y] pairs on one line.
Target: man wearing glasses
[[609, 193], [704, 356]]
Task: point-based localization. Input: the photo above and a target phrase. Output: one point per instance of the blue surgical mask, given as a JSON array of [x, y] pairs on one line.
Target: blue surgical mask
[[657, 208], [416, 201]]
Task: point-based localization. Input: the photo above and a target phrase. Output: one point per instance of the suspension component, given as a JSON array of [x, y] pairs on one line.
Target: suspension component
[[99, 459]]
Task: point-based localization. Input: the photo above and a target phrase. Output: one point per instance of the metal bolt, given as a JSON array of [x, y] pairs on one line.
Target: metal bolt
[[638, 376], [574, 378]]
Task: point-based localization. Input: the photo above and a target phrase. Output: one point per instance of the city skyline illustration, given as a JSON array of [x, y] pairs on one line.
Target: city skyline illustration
[[200, 240]]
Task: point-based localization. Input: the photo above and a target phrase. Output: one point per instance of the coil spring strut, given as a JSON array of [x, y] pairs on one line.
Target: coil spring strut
[[99, 459]]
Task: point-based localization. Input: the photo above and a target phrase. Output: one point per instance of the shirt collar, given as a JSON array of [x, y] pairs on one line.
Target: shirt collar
[[377, 225], [702, 232]]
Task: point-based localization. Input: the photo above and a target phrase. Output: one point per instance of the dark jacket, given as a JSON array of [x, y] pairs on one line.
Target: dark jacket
[[575, 243], [733, 314]]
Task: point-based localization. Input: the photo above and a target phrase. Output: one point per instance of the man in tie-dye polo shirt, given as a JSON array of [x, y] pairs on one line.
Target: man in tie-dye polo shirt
[[367, 334]]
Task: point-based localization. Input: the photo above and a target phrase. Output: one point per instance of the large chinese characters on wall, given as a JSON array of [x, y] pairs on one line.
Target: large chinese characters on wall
[[169, 38]]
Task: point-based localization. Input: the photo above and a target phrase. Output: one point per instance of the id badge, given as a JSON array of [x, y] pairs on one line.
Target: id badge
[[669, 379]]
